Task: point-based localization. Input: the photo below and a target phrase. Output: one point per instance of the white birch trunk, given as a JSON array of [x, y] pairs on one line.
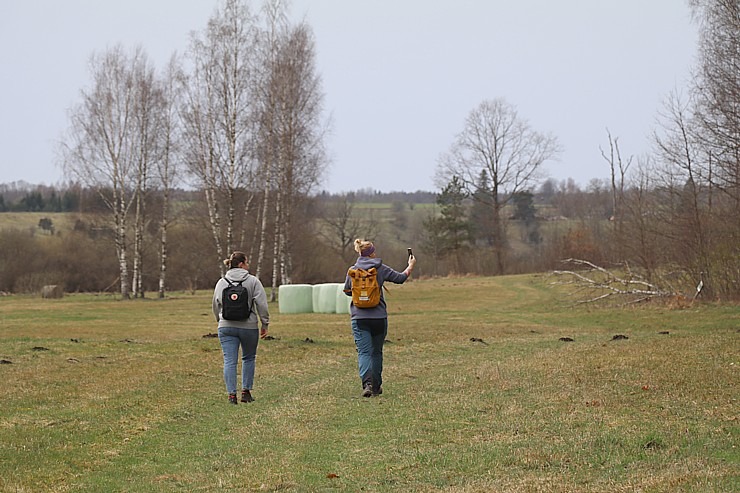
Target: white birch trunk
[[163, 244], [230, 214], [121, 250], [286, 264], [136, 283], [263, 226], [276, 248], [214, 221]]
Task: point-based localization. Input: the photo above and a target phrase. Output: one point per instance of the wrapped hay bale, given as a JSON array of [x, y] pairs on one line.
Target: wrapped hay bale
[[52, 291], [325, 298], [315, 293], [342, 300], [295, 298]]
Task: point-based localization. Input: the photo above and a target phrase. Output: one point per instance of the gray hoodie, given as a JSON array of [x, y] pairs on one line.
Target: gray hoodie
[[255, 287], [385, 273]]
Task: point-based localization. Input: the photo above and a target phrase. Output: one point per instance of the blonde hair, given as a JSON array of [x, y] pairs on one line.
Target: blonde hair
[[361, 245], [235, 259]]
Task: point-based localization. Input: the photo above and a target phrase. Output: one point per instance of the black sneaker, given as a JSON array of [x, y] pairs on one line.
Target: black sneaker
[[247, 396], [378, 391], [232, 399], [367, 391]]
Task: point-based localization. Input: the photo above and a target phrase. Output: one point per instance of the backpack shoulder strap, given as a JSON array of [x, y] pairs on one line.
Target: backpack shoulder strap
[[250, 292]]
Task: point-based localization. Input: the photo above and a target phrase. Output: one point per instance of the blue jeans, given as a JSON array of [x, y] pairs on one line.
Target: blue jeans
[[369, 334], [231, 339]]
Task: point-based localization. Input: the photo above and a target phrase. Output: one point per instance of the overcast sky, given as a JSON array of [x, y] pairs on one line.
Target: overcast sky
[[399, 76]]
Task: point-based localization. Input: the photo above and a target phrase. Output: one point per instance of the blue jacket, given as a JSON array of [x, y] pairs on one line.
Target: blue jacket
[[385, 273]]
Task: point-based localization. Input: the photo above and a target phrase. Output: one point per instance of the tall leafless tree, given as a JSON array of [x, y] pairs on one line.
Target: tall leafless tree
[[147, 106], [617, 171], [495, 139], [300, 133], [265, 117], [168, 156], [105, 145], [342, 225], [218, 130], [717, 117], [641, 239], [717, 92], [683, 179], [291, 132]]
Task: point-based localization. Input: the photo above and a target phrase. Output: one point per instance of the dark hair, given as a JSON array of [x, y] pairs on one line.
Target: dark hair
[[235, 259]]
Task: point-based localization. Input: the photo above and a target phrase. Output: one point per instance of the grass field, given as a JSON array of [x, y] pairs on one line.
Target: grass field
[[26, 221], [480, 395]]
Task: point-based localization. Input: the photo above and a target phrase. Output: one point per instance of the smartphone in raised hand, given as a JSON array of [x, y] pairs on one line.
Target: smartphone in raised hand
[[410, 252]]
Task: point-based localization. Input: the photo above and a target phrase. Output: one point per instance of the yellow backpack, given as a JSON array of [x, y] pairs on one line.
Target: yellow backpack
[[365, 287]]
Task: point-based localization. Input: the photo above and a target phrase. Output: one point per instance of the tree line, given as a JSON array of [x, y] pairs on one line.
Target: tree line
[[674, 214], [238, 120], [24, 198], [238, 117], [558, 220], [326, 225]]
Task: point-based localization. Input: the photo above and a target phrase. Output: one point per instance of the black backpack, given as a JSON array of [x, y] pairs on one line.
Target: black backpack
[[236, 301]]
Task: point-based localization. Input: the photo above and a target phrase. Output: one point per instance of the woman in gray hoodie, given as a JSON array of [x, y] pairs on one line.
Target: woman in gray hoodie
[[370, 325], [234, 334]]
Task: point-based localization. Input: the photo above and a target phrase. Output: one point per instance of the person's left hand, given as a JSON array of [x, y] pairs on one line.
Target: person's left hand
[[263, 331]]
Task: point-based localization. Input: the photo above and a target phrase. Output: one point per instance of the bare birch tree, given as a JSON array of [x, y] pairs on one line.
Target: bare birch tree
[[300, 132], [146, 108], [291, 133], [168, 157], [265, 116], [217, 125], [495, 139], [103, 148]]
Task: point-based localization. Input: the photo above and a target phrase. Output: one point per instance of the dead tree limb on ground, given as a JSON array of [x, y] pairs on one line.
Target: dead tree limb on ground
[[595, 283]]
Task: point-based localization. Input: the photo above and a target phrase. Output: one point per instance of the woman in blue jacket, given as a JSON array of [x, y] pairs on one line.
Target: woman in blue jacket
[[370, 325]]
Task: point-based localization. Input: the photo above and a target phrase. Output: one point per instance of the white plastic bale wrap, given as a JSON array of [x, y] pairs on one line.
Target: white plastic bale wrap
[[295, 298], [315, 297], [342, 300], [325, 298]]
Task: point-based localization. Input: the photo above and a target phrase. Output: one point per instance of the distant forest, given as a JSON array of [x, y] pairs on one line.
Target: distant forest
[[449, 230], [27, 197]]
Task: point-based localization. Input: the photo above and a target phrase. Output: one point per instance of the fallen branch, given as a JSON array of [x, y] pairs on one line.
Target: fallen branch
[[602, 283]]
